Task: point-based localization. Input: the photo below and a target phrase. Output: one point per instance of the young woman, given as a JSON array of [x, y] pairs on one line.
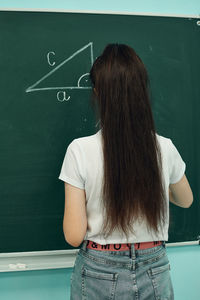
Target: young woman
[[118, 184]]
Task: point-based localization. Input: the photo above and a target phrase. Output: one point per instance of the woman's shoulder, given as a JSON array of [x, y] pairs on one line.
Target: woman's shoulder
[[85, 142], [164, 142]]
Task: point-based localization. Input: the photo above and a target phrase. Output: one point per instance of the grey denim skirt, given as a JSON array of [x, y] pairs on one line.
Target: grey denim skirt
[[121, 275]]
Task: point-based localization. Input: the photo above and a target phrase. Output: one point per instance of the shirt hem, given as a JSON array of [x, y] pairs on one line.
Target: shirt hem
[[71, 181], [180, 176]]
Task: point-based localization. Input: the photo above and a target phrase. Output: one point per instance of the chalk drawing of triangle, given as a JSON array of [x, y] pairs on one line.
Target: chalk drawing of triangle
[[36, 86]]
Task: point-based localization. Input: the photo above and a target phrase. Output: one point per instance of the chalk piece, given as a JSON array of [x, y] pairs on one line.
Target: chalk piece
[[21, 266], [12, 266]]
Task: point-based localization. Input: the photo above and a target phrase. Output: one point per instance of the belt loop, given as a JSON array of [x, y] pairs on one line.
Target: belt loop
[[132, 251], [84, 245]]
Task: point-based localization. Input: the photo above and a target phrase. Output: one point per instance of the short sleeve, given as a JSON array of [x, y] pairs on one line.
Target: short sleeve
[[177, 165], [72, 170]]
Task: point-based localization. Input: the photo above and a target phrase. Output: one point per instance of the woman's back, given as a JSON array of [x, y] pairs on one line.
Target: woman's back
[[84, 167]]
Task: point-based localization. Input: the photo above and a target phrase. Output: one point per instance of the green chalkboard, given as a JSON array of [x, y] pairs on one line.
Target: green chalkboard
[[45, 103]]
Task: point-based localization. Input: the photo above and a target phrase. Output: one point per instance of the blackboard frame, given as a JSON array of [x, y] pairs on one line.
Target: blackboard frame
[[109, 13]]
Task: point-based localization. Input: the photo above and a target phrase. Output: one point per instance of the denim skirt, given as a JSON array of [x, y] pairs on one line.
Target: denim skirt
[[121, 275]]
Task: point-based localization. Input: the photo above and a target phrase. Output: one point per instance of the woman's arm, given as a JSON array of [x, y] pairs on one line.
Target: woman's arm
[[180, 193], [75, 215]]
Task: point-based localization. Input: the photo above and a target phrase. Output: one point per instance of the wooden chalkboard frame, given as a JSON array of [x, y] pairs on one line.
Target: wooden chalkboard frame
[[100, 12]]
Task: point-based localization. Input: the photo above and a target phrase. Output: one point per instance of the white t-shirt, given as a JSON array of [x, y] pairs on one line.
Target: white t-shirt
[[83, 168]]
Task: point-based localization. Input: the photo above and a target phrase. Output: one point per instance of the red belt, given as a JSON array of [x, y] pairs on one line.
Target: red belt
[[122, 247]]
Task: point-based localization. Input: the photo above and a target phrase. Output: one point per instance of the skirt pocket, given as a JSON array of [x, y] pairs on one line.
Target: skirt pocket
[[161, 281], [98, 285]]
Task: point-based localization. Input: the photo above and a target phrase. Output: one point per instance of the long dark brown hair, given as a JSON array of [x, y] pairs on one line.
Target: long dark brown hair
[[132, 182]]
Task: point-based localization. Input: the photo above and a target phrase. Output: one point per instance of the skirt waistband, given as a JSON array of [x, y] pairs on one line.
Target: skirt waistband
[[121, 247]]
